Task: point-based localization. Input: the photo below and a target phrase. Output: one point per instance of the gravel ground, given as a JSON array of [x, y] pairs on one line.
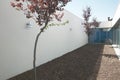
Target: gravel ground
[[90, 62]]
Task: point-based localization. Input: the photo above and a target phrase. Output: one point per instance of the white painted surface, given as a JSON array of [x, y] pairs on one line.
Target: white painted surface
[[114, 21], [17, 41], [109, 24], [117, 50], [105, 24], [116, 16]]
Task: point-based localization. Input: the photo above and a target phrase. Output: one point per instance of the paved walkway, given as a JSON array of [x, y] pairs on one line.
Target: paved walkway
[[90, 62]]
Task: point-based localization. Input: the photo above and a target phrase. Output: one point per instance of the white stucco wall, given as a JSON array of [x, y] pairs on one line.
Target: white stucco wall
[[16, 41]]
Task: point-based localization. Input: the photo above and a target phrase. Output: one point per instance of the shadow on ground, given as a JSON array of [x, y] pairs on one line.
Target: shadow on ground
[[81, 64]]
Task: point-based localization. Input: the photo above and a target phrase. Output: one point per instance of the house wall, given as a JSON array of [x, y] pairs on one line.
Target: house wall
[[116, 39], [116, 35], [116, 31], [110, 24], [116, 15], [17, 41]]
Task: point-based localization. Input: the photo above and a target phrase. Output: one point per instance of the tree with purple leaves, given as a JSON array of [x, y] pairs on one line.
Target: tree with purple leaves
[[42, 12], [89, 24]]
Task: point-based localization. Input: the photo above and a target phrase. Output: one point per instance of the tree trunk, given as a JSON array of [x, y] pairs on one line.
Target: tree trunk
[[35, 48], [34, 56]]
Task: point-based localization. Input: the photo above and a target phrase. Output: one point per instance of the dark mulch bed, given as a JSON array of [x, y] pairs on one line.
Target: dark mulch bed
[[90, 62]]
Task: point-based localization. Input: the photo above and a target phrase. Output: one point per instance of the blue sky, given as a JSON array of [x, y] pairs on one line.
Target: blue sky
[[100, 8]]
